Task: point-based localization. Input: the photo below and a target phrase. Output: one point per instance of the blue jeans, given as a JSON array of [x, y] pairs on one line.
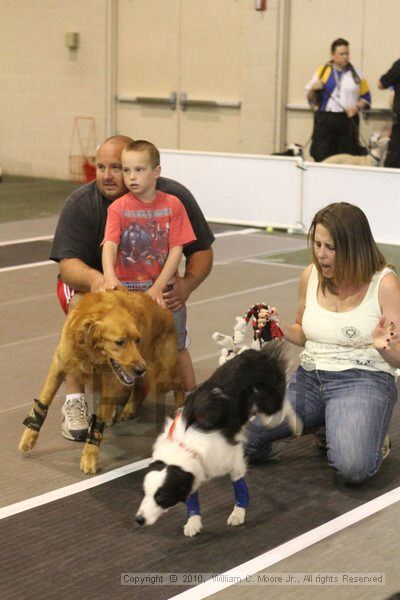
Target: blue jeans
[[354, 405]]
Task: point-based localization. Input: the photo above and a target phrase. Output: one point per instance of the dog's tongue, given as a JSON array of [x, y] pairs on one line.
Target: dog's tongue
[[121, 374]]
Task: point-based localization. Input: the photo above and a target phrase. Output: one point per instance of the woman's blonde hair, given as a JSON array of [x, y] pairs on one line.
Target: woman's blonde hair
[[357, 256]]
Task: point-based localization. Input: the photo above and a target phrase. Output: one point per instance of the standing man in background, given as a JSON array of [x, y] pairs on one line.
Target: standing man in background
[[392, 79], [76, 247]]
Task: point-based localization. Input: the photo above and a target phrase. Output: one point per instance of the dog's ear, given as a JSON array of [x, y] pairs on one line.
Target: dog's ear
[[88, 331], [176, 488]]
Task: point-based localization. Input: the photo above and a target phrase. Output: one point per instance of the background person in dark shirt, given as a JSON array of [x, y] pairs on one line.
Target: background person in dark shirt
[[392, 79]]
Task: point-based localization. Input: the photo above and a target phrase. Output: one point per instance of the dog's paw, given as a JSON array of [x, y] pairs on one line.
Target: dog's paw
[[193, 526], [237, 516], [89, 459], [28, 440], [128, 412]]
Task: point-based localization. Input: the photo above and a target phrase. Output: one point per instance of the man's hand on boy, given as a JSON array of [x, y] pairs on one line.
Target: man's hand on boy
[[175, 297]]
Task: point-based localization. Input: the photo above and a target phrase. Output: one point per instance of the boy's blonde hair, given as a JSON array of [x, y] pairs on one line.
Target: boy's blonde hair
[[145, 146]]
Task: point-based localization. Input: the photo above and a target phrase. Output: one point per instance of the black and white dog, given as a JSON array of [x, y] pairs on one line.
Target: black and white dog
[[292, 150], [205, 440]]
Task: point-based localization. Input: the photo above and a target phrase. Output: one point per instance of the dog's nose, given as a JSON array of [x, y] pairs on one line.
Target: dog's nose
[[140, 520], [139, 371]]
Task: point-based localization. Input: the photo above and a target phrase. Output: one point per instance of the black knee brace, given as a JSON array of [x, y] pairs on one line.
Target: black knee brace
[[36, 417], [95, 432]]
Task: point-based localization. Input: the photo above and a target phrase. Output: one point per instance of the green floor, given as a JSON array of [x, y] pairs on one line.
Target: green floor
[[35, 198], [303, 257]]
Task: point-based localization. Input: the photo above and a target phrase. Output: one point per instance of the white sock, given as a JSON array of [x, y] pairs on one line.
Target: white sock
[[77, 396]]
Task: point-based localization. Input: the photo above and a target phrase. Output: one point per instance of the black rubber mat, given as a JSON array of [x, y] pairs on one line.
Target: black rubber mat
[[23, 254], [78, 547], [36, 251]]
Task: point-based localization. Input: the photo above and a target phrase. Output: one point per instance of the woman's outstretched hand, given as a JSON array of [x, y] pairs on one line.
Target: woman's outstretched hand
[[385, 335]]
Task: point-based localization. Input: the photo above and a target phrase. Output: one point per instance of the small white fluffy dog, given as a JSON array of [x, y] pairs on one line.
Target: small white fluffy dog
[[377, 150]]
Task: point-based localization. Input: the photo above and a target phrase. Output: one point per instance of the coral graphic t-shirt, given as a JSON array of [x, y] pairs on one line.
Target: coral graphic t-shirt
[[145, 232]]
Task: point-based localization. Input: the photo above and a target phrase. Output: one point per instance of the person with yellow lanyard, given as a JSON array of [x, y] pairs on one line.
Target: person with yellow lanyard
[[337, 93]]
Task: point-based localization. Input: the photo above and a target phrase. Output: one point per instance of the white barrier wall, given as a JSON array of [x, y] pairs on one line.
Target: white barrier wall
[[375, 190], [281, 192], [239, 189]]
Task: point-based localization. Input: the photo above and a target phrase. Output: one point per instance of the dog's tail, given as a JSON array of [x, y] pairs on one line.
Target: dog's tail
[[270, 377], [270, 399]]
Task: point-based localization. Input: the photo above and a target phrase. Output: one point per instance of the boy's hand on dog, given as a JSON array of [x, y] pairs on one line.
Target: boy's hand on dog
[[110, 283], [156, 293]]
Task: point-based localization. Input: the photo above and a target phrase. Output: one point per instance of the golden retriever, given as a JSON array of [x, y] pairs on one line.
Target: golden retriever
[[113, 341], [375, 157]]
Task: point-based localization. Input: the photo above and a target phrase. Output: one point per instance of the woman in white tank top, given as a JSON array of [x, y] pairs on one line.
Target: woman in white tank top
[[347, 318]]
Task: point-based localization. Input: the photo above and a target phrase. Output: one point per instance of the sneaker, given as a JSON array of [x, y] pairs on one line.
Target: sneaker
[[272, 453], [387, 446], [320, 440], [75, 419]]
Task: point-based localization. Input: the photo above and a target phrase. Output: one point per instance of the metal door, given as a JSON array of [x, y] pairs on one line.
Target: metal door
[[179, 72]]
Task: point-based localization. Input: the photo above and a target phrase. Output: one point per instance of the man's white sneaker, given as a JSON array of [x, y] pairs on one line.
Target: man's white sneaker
[[75, 419]]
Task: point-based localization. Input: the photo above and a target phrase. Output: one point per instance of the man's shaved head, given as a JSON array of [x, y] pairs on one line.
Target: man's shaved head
[[109, 177]]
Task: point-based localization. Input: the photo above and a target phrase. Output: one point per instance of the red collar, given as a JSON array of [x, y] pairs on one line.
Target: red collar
[[171, 429], [170, 436]]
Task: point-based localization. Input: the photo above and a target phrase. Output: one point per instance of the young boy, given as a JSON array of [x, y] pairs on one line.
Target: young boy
[[145, 232]]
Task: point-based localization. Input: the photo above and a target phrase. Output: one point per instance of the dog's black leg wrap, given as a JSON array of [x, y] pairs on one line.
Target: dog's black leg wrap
[[36, 417], [95, 432]]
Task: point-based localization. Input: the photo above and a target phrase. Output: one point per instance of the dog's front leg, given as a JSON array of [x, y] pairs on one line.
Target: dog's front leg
[[134, 401], [110, 394], [90, 452], [193, 524], [238, 514], [34, 421]]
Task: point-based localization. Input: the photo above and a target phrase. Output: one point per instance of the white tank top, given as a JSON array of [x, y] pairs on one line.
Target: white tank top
[[342, 340]]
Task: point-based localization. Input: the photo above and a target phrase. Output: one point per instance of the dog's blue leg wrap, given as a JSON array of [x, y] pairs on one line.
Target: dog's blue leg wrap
[[192, 505], [241, 493]]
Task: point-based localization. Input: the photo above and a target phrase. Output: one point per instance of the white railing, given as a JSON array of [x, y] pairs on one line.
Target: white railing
[[239, 188], [283, 192]]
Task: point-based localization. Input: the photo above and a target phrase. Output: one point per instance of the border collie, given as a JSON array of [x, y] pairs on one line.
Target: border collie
[[205, 439]]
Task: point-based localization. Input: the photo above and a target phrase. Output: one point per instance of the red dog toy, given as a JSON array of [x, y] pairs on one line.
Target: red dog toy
[[271, 329]]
